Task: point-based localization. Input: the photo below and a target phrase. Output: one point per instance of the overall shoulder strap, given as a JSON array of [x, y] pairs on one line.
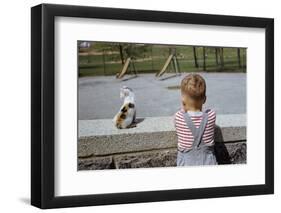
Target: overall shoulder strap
[[201, 129], [190, 124], [196, 132]]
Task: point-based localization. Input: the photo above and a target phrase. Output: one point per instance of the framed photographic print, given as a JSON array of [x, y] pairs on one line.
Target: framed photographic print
[[139, 106]]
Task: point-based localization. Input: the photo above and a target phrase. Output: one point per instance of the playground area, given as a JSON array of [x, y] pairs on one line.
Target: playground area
[[99, 96], [154, 73], [119, 59]]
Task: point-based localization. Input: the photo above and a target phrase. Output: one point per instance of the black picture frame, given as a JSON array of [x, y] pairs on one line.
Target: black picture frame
[[43, 105]]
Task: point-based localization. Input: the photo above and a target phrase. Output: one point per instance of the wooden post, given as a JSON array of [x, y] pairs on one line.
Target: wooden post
[[124, 69], [134, 68], [165, 66], [176, 65]]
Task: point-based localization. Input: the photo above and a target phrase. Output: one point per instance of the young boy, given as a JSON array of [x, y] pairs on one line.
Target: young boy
[[195, 128]]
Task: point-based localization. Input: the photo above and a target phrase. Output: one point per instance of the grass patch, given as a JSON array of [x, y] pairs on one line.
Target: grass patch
[[152, 58]]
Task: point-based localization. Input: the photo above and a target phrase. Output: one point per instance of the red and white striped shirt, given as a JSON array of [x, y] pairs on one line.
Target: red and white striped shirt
[[185, 137]]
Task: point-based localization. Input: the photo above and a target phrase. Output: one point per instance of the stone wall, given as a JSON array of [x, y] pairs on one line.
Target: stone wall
[[152, 143]]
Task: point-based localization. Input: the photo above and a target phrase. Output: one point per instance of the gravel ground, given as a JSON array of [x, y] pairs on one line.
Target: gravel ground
[[99, 96]]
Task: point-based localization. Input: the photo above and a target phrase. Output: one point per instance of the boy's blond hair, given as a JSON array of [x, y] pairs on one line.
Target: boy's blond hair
[[194, 86]]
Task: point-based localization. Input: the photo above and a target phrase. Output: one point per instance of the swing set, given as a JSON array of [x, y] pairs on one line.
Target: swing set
[[170, 66]]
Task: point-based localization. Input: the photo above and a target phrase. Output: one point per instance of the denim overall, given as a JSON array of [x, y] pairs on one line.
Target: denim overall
[[200, 153]]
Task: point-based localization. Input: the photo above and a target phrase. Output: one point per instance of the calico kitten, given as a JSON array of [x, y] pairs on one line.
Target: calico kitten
[[126, 116], [123, 117]]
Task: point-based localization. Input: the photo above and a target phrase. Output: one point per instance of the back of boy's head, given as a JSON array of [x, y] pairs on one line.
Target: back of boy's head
[[194, 86]]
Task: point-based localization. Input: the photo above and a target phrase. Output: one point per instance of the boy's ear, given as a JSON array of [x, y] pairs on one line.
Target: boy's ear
[[205, 98]]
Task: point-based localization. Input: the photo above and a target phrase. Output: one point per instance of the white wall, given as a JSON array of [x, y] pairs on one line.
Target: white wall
[[15, 105]]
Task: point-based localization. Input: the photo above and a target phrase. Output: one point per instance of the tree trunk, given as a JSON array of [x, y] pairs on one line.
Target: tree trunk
[[103, 59], [221, 58], [195, 57], [239, 58], [217, 61], [121, 54], [204, 58], [152, 65]]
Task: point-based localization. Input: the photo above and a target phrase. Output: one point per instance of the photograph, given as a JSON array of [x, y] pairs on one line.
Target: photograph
[[143, 105]]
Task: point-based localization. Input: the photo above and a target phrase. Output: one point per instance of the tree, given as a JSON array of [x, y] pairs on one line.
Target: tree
[[195, 57], [217, 61], [121, 53], [221, 58], [133, 50], [204, 58], [239, 58]]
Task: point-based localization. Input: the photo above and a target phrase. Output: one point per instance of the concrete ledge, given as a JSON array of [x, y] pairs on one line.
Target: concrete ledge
[[226, 153], [100, 137]]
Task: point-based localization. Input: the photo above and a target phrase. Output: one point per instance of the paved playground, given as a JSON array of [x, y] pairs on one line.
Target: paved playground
[[99, 96]]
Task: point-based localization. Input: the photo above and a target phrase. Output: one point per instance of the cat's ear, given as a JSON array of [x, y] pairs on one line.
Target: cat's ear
[[124, 92]]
